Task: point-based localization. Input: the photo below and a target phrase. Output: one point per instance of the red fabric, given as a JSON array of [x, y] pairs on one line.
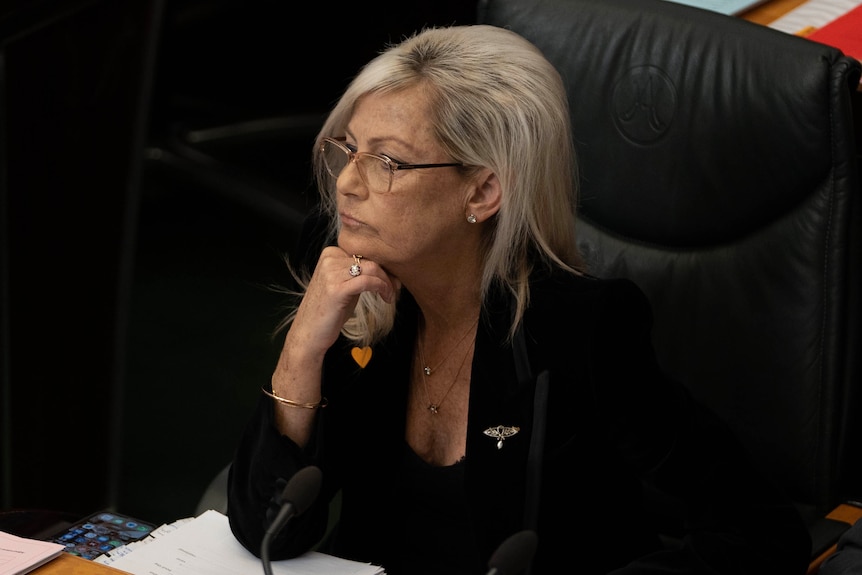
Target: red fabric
[[844, 33]]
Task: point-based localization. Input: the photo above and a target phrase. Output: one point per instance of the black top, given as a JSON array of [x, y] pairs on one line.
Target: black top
[[435, 535]]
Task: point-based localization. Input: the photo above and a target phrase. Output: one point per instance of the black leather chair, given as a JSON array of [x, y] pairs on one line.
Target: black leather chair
[[719, 171]]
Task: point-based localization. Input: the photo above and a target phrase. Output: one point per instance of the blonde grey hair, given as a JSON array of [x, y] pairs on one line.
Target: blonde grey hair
[[496, 102]]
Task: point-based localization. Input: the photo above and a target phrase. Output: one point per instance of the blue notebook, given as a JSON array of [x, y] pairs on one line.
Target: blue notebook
[[729, 7]]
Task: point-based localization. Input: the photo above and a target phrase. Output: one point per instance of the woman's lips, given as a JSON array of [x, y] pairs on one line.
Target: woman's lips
[[350, 221]]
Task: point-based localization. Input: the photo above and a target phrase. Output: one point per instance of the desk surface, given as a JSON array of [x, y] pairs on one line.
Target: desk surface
[[67, 564], [769, 11]]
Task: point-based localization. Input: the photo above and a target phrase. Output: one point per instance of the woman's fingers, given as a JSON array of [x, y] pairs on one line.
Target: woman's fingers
[[357, 273], [338, 280]]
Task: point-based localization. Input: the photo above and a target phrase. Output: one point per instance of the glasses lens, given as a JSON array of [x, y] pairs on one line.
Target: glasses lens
[[335, 157], [375, 171]]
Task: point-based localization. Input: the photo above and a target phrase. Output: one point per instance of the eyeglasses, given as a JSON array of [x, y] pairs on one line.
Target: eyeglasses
[[375, 171]]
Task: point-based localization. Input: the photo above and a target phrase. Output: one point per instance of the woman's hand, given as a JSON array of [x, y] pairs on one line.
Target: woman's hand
[[328, 302], [331, 298]]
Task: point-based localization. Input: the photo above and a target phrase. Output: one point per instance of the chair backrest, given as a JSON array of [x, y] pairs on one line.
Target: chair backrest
[[718, 171]]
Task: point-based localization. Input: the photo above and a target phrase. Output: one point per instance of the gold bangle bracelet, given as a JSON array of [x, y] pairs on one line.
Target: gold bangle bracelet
[[322, 403]]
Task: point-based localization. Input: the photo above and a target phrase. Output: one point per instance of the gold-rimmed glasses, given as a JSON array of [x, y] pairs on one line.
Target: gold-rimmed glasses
[[375, 170]]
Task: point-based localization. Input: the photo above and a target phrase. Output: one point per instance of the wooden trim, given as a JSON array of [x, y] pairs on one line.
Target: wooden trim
[[769, 11], [68, 564], [844, 512]]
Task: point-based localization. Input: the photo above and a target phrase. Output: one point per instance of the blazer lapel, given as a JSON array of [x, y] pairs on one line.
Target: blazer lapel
[[498, 434]]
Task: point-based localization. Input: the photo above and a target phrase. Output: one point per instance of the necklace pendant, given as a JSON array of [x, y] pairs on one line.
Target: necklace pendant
[[427, 370], [433, 408]]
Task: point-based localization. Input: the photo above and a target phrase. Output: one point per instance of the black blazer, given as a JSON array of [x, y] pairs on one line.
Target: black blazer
[[611, 423]]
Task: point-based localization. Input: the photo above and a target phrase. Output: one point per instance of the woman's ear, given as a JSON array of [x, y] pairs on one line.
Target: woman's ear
[[484, 198]]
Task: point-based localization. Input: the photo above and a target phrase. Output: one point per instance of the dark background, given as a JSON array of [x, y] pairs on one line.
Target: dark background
[[153, 171]]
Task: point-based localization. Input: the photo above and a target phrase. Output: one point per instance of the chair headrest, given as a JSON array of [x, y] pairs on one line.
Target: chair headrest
[[706, 126]]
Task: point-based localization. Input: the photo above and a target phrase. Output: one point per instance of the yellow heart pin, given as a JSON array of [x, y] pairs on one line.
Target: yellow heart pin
[[361, 355]]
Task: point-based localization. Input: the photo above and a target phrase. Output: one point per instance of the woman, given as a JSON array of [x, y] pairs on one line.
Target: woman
[[452, 369]]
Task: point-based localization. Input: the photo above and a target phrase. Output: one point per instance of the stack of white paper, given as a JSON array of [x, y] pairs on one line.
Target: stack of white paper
[[205, 545], [19, 555]]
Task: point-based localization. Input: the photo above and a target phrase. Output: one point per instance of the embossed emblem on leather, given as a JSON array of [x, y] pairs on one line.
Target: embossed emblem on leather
[[643, 104]]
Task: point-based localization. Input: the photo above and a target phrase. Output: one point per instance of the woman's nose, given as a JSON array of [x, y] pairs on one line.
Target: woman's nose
[[350, 180]]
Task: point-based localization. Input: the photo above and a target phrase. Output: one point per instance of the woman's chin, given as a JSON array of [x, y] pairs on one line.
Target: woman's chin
[[350, 243]]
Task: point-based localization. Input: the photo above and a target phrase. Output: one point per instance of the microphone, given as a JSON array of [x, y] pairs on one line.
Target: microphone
[[298, 495], [514, 554]]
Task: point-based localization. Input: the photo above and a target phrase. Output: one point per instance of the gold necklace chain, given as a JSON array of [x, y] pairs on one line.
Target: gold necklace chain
[[427, 371], [434, 408]]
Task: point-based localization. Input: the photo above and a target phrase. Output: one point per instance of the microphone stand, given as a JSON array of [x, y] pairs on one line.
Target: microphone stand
[[299, 493]]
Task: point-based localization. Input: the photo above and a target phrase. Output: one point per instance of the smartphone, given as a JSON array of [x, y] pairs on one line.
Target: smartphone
[[101, 533]]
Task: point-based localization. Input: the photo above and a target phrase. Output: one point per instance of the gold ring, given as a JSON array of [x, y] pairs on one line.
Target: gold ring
[[355, 269]]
